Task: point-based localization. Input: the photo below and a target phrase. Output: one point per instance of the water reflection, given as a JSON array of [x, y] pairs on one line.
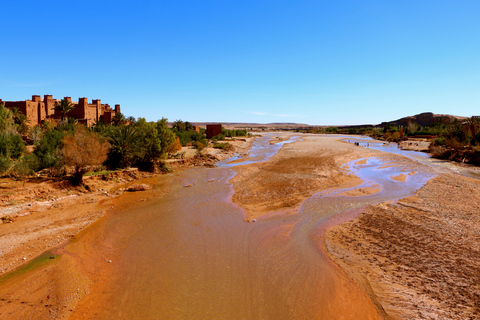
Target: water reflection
[[440, 165], [368, 142], [261, 151]]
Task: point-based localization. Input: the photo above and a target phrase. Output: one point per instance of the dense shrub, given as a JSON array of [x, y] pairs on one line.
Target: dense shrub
[[32, 161], [199, 145], [219, 137], [5, 164], [47, 150], [440, 141], [82, 149], [187, 137], [223, 145], [156, 141], [22, 170], [168, 139], [11, 145], [233, 133], [331, 130]]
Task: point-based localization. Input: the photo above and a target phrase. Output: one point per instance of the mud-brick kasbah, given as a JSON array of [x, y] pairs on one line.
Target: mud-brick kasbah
[[38, 110]]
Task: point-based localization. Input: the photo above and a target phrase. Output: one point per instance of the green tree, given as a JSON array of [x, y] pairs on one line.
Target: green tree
[[47, 150], [5, 164], [167, 137], [179, 126], [188, 126], [131, 120], [150, 143], [11, 145], [22, 169], [20, 120], [471, 127], [125, 148], [63, 107], [7, 123]]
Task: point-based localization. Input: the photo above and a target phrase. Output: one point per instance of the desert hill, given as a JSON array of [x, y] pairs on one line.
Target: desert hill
[[422, 119]]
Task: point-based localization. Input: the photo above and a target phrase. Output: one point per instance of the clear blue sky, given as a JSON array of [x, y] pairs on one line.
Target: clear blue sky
[[315, 62]]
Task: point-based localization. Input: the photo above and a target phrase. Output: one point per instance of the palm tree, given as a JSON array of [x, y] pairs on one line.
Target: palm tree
[[179, 125], [64, 107], [472, 125], [20, 120], [125, 146], [132, 120], [118, 119]]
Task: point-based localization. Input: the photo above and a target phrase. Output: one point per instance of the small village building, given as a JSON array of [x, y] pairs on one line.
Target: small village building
[[213, 130]]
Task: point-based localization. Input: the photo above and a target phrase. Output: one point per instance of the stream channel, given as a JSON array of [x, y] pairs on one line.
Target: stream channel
[[189, 254]]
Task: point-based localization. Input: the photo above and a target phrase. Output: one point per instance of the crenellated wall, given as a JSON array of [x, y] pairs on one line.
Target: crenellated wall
[[38, 110]]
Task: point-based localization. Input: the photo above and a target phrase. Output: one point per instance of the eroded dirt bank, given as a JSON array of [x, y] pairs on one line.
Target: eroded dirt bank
[[419, 258], [49, 286]]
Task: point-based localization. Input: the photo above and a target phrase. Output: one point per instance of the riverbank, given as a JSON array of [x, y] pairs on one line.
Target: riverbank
[[419, 257]]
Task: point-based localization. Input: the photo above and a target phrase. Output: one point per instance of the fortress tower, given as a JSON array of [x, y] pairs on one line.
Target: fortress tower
[[37, 110]]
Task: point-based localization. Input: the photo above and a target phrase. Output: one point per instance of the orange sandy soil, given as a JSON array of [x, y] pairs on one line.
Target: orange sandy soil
[[42, 214], [241, 147], [418, 258], [49, 214], [401, 177], [294, 174]]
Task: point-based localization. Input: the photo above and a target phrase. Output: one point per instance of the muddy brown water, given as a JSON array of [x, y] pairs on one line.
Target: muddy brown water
[[190, 254]]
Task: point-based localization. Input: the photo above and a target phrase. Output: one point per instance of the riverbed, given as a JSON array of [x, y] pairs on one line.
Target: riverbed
[[241, 241], [192, 255]]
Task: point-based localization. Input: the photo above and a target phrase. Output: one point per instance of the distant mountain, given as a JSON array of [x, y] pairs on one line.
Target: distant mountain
[[242, 125], [424, 119]]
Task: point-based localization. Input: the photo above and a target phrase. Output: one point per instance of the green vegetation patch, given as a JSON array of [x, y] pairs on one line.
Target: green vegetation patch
[[38, 262], [92, 173], [223, 145]]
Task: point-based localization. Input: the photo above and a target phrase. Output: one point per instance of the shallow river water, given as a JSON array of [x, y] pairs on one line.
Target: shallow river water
[[190, 254]]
